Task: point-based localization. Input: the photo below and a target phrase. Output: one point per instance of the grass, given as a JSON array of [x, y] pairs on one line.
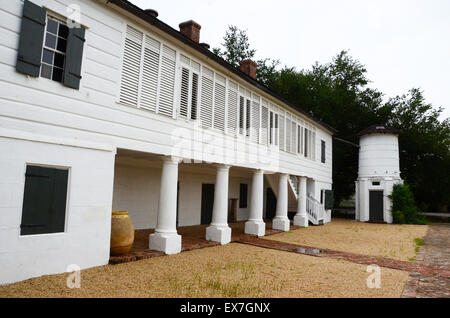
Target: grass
[[233, 270]]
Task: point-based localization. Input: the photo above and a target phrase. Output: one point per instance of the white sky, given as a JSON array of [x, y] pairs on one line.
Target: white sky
[[402, 43]]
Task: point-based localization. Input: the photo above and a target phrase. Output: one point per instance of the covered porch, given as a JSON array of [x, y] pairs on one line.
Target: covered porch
[[193, 237]]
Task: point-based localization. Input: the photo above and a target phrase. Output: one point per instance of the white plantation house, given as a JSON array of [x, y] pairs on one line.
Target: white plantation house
[[105, 107]]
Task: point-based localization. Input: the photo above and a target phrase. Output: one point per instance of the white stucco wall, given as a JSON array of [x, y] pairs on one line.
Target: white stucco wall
[[85, 241]]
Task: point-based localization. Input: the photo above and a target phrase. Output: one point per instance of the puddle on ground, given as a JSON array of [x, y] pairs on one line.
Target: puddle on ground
[[310, 251]]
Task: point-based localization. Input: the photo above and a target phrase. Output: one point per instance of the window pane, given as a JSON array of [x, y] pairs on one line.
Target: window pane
[[59, 60], [57, 74], [47, 57], [46, 71], [50, 41], [52, 26], [62, 44], [63, 31]]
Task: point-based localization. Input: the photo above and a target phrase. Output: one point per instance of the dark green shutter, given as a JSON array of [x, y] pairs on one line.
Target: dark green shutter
[[329, 199], [74, 56], [31, 39], [44, 202]]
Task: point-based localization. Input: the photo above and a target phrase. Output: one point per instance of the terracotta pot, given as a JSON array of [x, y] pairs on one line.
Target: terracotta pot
[[122, 233]]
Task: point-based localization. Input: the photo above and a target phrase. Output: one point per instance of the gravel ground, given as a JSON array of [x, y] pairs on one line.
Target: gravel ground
[[234, 270], [384, 240]]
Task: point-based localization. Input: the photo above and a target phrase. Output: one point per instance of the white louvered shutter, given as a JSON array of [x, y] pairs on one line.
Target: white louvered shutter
[[167, 82], [207, 98], [264, 125], [255, 129], [282, 139], [247, 118], [131, 68], [288, 135], [276, 129], [184, 92], [294, 137], [219, 103], [150, 74], [232, 112]]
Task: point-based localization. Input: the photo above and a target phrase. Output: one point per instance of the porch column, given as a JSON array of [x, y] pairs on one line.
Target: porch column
[[166, 238], [301, 218], [219, 231], [255, 224], [281, 220]]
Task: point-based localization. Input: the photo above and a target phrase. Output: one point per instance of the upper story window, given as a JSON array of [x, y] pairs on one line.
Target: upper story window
[[189, 87], [49, 48], [309, 144], [322, 152], [54, 49]]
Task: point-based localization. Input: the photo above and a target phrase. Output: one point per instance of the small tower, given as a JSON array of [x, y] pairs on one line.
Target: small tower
[[379, 170]]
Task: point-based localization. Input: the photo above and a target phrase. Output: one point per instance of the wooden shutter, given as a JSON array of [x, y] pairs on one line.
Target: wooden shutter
[[329, 199], [247, 118], [184, 98], [241, 114], [31, 39], [282, 137], [167, 82], [44, 203], [206, 98], [255, 122], [232, 112], [294, 136], [264, 125], [74, 58], [288, 135], [131, 68], [219, 103], [150, 74]]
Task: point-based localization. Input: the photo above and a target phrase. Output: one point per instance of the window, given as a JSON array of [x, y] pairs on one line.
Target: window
[[189, 94], [243, 189], [299, 139], [376, 183], [54, 50], [323, 151], [306, 152], [44, 201], [49, 48]]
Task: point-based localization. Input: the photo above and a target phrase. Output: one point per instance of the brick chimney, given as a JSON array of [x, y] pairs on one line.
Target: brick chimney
[[249, 68], [191, 29]]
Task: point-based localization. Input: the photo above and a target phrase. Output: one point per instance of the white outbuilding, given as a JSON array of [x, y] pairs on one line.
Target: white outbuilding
[[379, 171]]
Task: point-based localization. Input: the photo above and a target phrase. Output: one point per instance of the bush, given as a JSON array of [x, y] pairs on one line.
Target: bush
[[404, 208]]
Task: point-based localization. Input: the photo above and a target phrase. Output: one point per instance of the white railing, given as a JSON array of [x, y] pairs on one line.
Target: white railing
[[315, 210]]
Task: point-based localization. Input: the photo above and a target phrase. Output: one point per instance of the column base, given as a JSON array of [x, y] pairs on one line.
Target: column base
[[301, 220], [167, 243], [255, 228], [282, 224], [220, 235]]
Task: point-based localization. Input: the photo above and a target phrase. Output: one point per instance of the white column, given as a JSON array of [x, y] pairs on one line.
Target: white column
[[165, 239], [301, 218], [255, 224], [219, 231], [281, 221]]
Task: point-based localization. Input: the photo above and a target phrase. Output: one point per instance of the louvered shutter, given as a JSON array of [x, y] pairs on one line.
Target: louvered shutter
[[282, 139], [131, 67], [247, 118], [276, 129], [150, 74], [184, 98], [255, 122], [206, 99], [264, 125], [167, 82], [219, 104], [313, 145], [194, 97], [294, 137], [288, 135], [306, 143], [74, 58], [31, 39], [232, 112], [322, 151]]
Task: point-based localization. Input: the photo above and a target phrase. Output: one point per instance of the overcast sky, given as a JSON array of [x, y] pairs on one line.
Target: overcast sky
[[403, 43]]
